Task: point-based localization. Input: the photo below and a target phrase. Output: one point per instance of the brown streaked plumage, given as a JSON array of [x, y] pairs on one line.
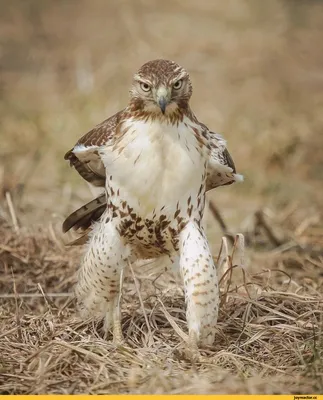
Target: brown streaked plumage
[[156, 161]]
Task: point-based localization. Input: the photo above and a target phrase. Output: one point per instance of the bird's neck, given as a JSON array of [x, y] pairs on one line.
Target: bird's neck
[[174, 113]]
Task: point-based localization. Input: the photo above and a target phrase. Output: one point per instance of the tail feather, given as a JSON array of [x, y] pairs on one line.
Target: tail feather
[[83, 217], [80, 240]]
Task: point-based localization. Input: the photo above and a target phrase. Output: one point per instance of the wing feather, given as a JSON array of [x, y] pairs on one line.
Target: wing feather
[[84, 156], [221, 168]]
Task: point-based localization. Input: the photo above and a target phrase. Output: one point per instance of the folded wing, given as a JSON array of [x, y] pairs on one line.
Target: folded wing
[[221, 169], [84, 156]]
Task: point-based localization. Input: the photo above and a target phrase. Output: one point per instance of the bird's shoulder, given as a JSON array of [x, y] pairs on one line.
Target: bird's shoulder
[[101, 134], [221, 167], [84, 156]]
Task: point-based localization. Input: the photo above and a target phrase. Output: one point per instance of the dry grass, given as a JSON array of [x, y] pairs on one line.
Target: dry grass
[[257, 79], [269, 335]]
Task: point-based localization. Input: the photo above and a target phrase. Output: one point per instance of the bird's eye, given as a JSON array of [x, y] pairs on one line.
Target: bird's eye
[[177, 85], [145, 87]]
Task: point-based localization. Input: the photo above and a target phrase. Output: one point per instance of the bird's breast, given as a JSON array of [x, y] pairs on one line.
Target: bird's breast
[[156, 164]]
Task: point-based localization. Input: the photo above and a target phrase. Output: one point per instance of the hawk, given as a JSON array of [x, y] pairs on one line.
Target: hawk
[[156, 162]]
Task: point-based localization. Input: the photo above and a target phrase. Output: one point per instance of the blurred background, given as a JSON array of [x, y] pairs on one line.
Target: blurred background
[[256, 67]]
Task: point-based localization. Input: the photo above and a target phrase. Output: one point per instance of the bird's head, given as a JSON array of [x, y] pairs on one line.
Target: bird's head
[[161, 87]]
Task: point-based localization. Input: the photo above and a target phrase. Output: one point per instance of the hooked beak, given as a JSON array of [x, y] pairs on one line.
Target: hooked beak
[[163, 98], [162, 102]]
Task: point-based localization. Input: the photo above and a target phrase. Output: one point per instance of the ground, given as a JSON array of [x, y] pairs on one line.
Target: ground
[[257, 80]]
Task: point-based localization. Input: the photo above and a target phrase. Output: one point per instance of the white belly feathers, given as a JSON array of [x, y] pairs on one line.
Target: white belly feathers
[[159, 164]]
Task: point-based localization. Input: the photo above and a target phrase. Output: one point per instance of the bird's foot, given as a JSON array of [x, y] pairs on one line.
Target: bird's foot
[[112, 324], [118, 338], [193, 350]]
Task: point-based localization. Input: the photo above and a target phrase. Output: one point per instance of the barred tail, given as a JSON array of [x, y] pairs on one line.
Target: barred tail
[[83, 218]]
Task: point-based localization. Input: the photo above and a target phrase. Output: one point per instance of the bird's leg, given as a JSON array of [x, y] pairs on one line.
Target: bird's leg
[[200, 284], [117, 328], [99, 279]]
